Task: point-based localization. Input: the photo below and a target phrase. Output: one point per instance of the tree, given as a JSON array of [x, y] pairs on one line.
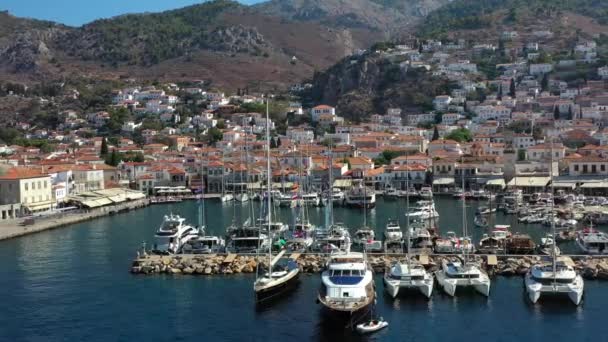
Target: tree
[[544, 83], [521, 154], [435, 134], [556, 113], [104, 148], [512, 88], [214, 135], [570, 114], [278, 141], [273, 143], [460, 135], [113, 159], [499, 95]]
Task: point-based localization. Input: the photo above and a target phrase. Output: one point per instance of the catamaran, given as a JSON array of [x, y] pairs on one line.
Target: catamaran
[[410, 274], [281, 274], [558, 277], [454, 274]]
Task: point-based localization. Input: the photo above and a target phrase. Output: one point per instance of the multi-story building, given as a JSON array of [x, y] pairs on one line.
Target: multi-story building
[[24, 190]]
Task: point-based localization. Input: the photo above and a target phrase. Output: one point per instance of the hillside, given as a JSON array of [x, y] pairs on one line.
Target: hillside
[[371, 83], [223, 41]]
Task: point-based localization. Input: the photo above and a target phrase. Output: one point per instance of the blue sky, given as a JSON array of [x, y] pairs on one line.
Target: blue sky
[[78, 12]]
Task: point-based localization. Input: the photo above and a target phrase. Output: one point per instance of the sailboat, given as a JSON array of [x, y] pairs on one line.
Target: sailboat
[[411, 274], [204, 244], [282, 274], [226, 196], [454, 274], [558, 277]]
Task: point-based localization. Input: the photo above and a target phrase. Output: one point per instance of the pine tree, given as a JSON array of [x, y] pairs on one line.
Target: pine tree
[[278, 142], [273, 143], [114, 158], [544, 83], [570, 114], [104, 148], [512, 88], [499, 97], [556, 113], [435, 134]]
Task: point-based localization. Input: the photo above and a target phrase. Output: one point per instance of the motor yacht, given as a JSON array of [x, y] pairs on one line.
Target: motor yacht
[[172, 234]]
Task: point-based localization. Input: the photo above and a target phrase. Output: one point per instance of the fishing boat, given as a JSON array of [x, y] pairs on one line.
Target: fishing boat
[[347, 291], [592, 241], [520, 244], [281, 274], [455, 274], [173, 234], [496, 241]]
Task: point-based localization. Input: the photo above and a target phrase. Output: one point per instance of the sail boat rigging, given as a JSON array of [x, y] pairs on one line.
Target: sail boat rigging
[[411, 274], [280, 276], [556, 278]]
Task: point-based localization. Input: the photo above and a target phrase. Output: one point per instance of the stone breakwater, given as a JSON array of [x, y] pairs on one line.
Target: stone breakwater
[[588, 267]]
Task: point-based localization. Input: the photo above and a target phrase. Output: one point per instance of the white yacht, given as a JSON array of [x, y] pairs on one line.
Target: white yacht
[[424, 211], [391, 193], [557, 278], [426, 193], [285, 200], [226, 197], [363, 236], [247, 240], [457, 274], [420, 239], [205, 245], [592, 241], [408, 275], [336, 238], [242, 197], [337, 196], [347, 286], [311, 199], [360, 196], [172, 234], [393, 232]]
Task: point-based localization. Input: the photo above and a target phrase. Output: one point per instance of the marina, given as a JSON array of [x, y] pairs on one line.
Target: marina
[[79, 272]]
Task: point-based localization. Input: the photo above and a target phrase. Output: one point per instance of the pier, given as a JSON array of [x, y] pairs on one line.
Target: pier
[[590, 267], [18, 227]]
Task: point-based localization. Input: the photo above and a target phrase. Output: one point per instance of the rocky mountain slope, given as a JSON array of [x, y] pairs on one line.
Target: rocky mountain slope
[[221, 40]]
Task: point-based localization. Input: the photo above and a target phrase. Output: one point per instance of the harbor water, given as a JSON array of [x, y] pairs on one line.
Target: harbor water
[[73, 284]]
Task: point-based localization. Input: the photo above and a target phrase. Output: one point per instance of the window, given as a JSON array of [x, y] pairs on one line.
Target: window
[[603, 167], [593, 168], [26, 186], [585, 168], [45, 184], [576, 167]]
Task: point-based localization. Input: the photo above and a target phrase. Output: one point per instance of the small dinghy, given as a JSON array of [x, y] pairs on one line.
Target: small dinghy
[[371, 326]]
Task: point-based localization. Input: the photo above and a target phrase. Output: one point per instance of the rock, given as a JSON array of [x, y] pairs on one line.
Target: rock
[[199, 270], [188, 270], [136, 269], [147, 269], [174, 270], [247, 269], [207, 270]]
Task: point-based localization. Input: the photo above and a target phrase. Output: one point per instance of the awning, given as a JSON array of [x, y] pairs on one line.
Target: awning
[[563, 184], [529, 182], [38, 206], [496, 182], [595, 185], [443, 181], [343, 183]]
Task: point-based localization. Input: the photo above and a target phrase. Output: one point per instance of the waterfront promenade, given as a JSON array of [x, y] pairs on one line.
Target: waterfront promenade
[[14, 228]]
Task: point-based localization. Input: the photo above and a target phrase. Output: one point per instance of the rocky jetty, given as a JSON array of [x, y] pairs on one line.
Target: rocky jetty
[[588, 267]]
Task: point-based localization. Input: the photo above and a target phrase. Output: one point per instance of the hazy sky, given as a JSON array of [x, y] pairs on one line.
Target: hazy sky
[[78, 12]]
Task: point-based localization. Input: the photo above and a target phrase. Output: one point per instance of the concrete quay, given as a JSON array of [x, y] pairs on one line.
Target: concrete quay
[[14, 228]]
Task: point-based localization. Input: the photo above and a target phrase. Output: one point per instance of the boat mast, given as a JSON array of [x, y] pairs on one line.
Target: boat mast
[[464, 212], [551, 215], [269, 188], [201, 209], [407, 212], [330, 205]]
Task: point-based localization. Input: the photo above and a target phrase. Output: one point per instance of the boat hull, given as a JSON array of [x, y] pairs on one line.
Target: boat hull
[[450, 285], [536, 290], [268, 294], [348, 317], [393, 287]]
